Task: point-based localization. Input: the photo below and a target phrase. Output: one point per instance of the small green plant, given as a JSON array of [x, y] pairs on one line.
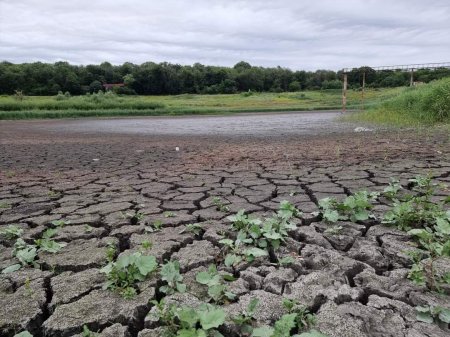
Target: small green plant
[[124, 273], [355, 207], [217, 290], [54, 194], [190, 322], [297, 319], [60, 223], [436, 314], [169, 214], [194, 228], [88, 228], [154, 227], [111, 251], [220, 206], [286, 261], [256, 237], [436, 241], [27, 253], [46, 244], [391, 191], [12, 232], [170, 273], [146, 244], [4, 205], [139, 216], [88, 333], [27, 285], [416, 210], [304, 319], [10, 174], [246, 320], [334, 230]]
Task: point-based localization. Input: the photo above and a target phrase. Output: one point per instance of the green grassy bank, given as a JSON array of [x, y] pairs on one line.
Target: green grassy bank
[[422, 105], [113, 105]]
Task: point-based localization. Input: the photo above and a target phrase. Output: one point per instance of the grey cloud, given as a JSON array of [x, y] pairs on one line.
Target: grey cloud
[[297, 34]]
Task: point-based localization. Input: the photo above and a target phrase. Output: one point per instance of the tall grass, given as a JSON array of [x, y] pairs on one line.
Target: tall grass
[[426, 104], [98, 101]]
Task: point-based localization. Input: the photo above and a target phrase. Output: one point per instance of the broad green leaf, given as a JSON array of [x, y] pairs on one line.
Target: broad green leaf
[[227, 242], [215, 291], [27, 255], [170, 272], [251, 307], [230, 295], [361, 215], [424, 317], [443, 226], [444, 315], [232, 259], [264, 331], [49, 233], [181, 287], [146, 264], [188, 316], [12, 268], [420, 233], [212, 318], [256, 252], [203, 277], [331, 216], [51, 246], [229, 277], [187, 333], [273, 236], [422, 309], [123, 261]]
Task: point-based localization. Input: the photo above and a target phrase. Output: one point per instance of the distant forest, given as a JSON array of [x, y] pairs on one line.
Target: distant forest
[[170, 79]]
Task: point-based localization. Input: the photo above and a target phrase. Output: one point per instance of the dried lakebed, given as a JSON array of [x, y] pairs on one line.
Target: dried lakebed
[[108, 189]]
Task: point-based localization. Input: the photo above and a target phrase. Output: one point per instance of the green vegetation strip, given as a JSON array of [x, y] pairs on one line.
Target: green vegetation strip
[[422, 105], [110, 104]]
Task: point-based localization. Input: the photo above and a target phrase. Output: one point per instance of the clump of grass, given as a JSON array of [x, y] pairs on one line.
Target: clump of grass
[[423, 105]]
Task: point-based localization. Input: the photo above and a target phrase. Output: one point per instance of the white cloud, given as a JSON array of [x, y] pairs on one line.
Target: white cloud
[[297, 34]]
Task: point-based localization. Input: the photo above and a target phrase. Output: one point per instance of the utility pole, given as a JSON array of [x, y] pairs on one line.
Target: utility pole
[[411, 82], [344, 94]]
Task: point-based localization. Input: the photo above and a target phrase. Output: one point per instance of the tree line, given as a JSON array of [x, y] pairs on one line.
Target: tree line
[[170, 79]]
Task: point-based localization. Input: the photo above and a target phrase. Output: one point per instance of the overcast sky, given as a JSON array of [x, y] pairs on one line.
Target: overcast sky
[[313, 34]]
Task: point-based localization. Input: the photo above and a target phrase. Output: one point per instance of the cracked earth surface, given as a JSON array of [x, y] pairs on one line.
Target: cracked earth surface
[[355, 282]]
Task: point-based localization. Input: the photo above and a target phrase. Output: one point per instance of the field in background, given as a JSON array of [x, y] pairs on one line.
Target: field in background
[[112, 105]]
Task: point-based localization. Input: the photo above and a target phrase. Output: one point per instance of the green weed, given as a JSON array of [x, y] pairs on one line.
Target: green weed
[[170, 273], [123, 274], [12, 232], [355, 207], [217, 290]]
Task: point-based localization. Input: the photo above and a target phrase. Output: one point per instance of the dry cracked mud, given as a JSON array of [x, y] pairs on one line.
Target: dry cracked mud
[[354, 282]]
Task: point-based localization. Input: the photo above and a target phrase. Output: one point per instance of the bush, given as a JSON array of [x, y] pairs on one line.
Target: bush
[[295, 86]]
